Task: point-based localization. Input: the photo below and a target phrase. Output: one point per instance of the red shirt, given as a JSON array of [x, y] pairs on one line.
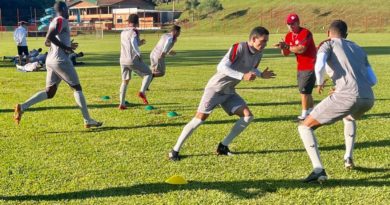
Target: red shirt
[[307, 59]]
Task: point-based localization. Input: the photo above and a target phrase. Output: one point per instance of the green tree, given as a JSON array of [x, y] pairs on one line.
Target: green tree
[[210, 6], [191, 6]]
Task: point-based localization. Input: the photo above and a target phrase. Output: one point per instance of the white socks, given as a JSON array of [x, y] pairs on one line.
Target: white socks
[[80, 100], [187, 131], [305, 113], [310, 142], [238, 127], [38, 97], [350, 136], [122, 93], [145, 83]]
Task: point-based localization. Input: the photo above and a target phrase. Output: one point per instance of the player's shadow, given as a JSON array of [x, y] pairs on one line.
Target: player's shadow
[[246, 189]]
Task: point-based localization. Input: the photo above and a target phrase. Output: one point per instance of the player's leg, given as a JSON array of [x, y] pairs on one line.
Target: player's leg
[[361, 107], [26, 53], [20, 55], [237, 106], [209, 101], [306, 82], [52, 82], [126, 76], [68, 74], [144, 71]]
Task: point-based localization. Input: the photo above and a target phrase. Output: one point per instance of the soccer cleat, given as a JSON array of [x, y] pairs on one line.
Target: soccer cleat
[[122, 107], [316, 177], [143, 98], [92, 123], [173, 155], [223, 150], [348, 163], [18, 113], [301, 118]]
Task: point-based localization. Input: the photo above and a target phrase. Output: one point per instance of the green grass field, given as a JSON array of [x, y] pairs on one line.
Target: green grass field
[[50, 158]]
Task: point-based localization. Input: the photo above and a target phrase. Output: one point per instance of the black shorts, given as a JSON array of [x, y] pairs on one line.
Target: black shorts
[[23, 50], [306, 81]]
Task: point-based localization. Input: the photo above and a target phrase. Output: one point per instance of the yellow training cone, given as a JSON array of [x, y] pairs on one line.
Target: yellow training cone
[[176, 180]]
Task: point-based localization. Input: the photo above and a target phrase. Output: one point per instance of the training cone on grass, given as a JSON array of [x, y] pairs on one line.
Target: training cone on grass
[[105, 98], [176, 180], [149, 108], [172, 114]]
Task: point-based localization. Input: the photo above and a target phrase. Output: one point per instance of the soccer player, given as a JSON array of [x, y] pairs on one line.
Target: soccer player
[[353, 77], [131, 60], [162, 49], [300, 41], [59, 67], [20, 37], [240, 63]]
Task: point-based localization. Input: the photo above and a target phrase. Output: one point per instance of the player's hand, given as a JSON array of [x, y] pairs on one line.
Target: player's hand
[[281, 45], [172, 53], [74, 46], [267, 74], [249, 76], [143, 41], [47, 43], [320, 88]]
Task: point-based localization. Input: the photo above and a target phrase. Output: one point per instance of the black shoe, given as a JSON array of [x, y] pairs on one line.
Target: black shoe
[[174, 156], [316, 177], [223, 150], [348, 163]]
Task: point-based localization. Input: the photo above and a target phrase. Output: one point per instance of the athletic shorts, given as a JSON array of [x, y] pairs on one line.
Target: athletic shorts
[[306, 81], [23, 50], [64, 71], [157, 66], [138, 67], [229, 102], [334, 108]]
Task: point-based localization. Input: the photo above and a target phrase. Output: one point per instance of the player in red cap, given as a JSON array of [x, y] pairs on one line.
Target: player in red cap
[[300, 41]]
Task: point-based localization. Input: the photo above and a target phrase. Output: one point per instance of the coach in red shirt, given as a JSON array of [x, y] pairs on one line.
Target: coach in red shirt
[[300, 41]]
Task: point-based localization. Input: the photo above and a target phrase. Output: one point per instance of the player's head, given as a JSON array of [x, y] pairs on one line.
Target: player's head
[[23, 23], [61, 9], [39, 49], [175, 30], [259, 38], [133, 20], [338, 29], [80, 54], [292, 22]]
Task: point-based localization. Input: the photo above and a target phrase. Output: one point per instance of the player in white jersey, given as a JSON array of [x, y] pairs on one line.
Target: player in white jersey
[[240, 63], [162, 49], [353, 77], [131, 60], [59, 67]]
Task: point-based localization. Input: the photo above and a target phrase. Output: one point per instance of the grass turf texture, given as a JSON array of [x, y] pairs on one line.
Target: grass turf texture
[[51, 158]]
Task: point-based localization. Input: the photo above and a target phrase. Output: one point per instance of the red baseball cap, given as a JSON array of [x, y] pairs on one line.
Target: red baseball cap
[[292, 18]]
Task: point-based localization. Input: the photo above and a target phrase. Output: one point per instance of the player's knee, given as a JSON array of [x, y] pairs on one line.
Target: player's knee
[[302, 128], [77, 87], [51, 91]]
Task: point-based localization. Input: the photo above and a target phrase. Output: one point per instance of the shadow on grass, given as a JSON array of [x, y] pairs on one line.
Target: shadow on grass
[[243, 189], [89, 106]]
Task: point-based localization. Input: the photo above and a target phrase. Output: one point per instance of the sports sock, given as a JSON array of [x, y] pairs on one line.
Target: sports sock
[[187, 131], [349, 136], [310, 142], [38, 97], [122, 93], [80, 100], [304, 113], [145, 83], [238, 127]]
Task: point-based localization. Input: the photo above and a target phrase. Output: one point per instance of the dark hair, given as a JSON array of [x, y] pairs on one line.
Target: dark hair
[[340, 27], [60, 6], [81, 54], [258, 31], [40, 49], [176, 28], [133, 18]]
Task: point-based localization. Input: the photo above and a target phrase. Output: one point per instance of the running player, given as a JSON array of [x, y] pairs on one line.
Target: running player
[[131, 60], [240, 63], [59, 67], [162, 49]]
